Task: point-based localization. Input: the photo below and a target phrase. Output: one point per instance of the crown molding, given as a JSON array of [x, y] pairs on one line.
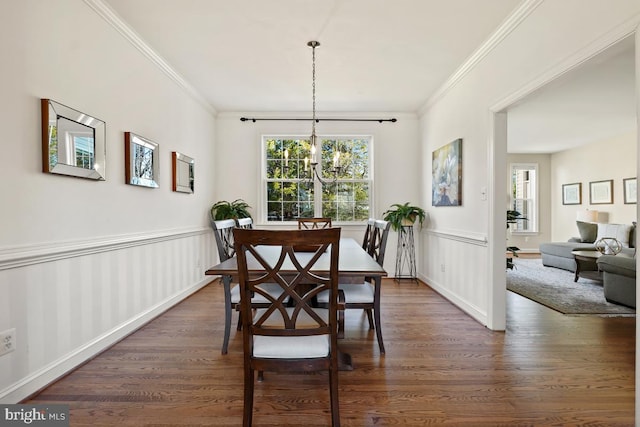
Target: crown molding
[[112, 18], [584, 54], [511, 23]]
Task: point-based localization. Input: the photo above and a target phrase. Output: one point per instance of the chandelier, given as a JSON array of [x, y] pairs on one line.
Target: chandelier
[[311, 169]]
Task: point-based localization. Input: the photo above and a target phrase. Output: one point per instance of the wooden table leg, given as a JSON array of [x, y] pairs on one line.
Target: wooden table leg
[[376, 312], [226, 282]]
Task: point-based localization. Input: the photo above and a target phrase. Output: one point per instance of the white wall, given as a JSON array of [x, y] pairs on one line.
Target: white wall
[[613, 159], [83, 263], [397, 166], [552, 37]]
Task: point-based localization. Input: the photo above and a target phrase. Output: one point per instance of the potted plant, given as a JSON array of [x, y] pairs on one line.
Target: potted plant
[[230, 210], [404, 214], [512, 218]]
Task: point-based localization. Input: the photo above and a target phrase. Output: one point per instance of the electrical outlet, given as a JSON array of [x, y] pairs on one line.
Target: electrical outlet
[[7, 341], [442, 268]]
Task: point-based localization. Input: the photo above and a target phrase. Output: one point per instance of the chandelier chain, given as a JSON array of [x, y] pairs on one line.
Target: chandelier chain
[[313, 89]]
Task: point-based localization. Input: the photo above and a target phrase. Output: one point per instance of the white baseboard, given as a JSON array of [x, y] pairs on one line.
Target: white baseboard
[[463, 305]]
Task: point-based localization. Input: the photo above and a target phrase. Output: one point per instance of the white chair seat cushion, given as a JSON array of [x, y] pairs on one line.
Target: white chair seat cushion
[[291, 347], [272, 289], [354, 293]]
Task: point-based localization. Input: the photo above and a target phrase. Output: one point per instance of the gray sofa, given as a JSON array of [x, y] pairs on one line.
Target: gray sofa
[[618, 271], [619, 278], [558, 254]]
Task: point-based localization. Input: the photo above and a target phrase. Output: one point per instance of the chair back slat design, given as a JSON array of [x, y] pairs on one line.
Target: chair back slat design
[[301, 287], [244, 222], [378, 240], [367, 234], [314, 223], [223, 232]]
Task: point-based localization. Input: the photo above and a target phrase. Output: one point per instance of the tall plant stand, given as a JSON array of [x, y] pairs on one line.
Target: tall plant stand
[[406, 255]]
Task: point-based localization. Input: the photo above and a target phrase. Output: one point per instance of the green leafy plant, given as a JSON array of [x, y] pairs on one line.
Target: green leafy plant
[[404, 214], [513, 217], [230, 210]]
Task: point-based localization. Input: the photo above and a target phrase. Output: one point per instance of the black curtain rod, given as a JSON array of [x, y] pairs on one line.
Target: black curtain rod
[[254, 119]]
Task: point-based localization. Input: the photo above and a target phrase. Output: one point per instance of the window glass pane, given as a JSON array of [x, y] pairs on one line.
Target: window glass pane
[[274, 211], [290, 191], [290, 211], [274, 191]]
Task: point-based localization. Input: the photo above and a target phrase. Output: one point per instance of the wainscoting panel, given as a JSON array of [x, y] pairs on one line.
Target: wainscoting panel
[[68, 305], [455, 265]]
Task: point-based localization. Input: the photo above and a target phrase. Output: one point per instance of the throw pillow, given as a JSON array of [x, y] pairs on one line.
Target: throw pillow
[[588, 231], [617, 231]]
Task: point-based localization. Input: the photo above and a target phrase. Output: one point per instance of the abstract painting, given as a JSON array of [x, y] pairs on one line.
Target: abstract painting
[[446, 185]]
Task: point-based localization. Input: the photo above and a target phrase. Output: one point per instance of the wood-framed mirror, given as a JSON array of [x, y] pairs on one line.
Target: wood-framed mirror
[[73, 143], [183, 177]]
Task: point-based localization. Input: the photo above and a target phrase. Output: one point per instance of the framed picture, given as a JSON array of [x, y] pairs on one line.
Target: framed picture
[[572, 194], [601, 192], [630, 191], [183, 178], [73, 142], [141, 161], [446, 185]]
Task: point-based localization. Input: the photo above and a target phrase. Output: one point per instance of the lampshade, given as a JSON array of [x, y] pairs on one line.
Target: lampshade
[[587, 216]]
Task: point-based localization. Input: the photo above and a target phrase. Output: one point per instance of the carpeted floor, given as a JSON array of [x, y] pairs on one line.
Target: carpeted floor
[[555, 288]]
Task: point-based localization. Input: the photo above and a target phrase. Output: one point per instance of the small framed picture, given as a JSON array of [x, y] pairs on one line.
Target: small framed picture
[[141, 161], [601, 192], [572, 194], [630, 191]]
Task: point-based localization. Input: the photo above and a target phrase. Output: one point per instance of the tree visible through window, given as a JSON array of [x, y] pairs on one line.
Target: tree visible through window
[[290, 193]]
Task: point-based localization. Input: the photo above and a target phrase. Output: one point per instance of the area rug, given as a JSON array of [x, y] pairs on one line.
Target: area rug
[[555, 288]]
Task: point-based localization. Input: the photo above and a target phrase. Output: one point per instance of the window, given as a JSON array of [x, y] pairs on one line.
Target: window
[[524, 193], [84, 148], [346, 194]]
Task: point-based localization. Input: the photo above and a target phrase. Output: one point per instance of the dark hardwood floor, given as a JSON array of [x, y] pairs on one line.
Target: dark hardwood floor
[[441, 367]]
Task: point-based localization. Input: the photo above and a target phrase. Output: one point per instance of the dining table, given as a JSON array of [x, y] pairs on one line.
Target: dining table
[[354, 265]]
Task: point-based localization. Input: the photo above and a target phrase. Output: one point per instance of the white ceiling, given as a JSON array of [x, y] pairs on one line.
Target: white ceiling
[[593, 102], [375, 56]]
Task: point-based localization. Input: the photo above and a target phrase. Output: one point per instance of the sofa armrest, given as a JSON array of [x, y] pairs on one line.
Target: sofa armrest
[[618, 264]]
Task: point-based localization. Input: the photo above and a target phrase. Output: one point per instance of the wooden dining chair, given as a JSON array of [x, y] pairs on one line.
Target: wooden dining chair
[[368, 233], [284, 337], [366, 295], [223, 232], [313, 223]]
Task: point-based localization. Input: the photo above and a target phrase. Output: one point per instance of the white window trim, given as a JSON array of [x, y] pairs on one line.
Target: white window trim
[[536, 219]]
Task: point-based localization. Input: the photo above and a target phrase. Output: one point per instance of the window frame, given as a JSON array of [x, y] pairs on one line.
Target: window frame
[[533, 215], [318, 201]]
